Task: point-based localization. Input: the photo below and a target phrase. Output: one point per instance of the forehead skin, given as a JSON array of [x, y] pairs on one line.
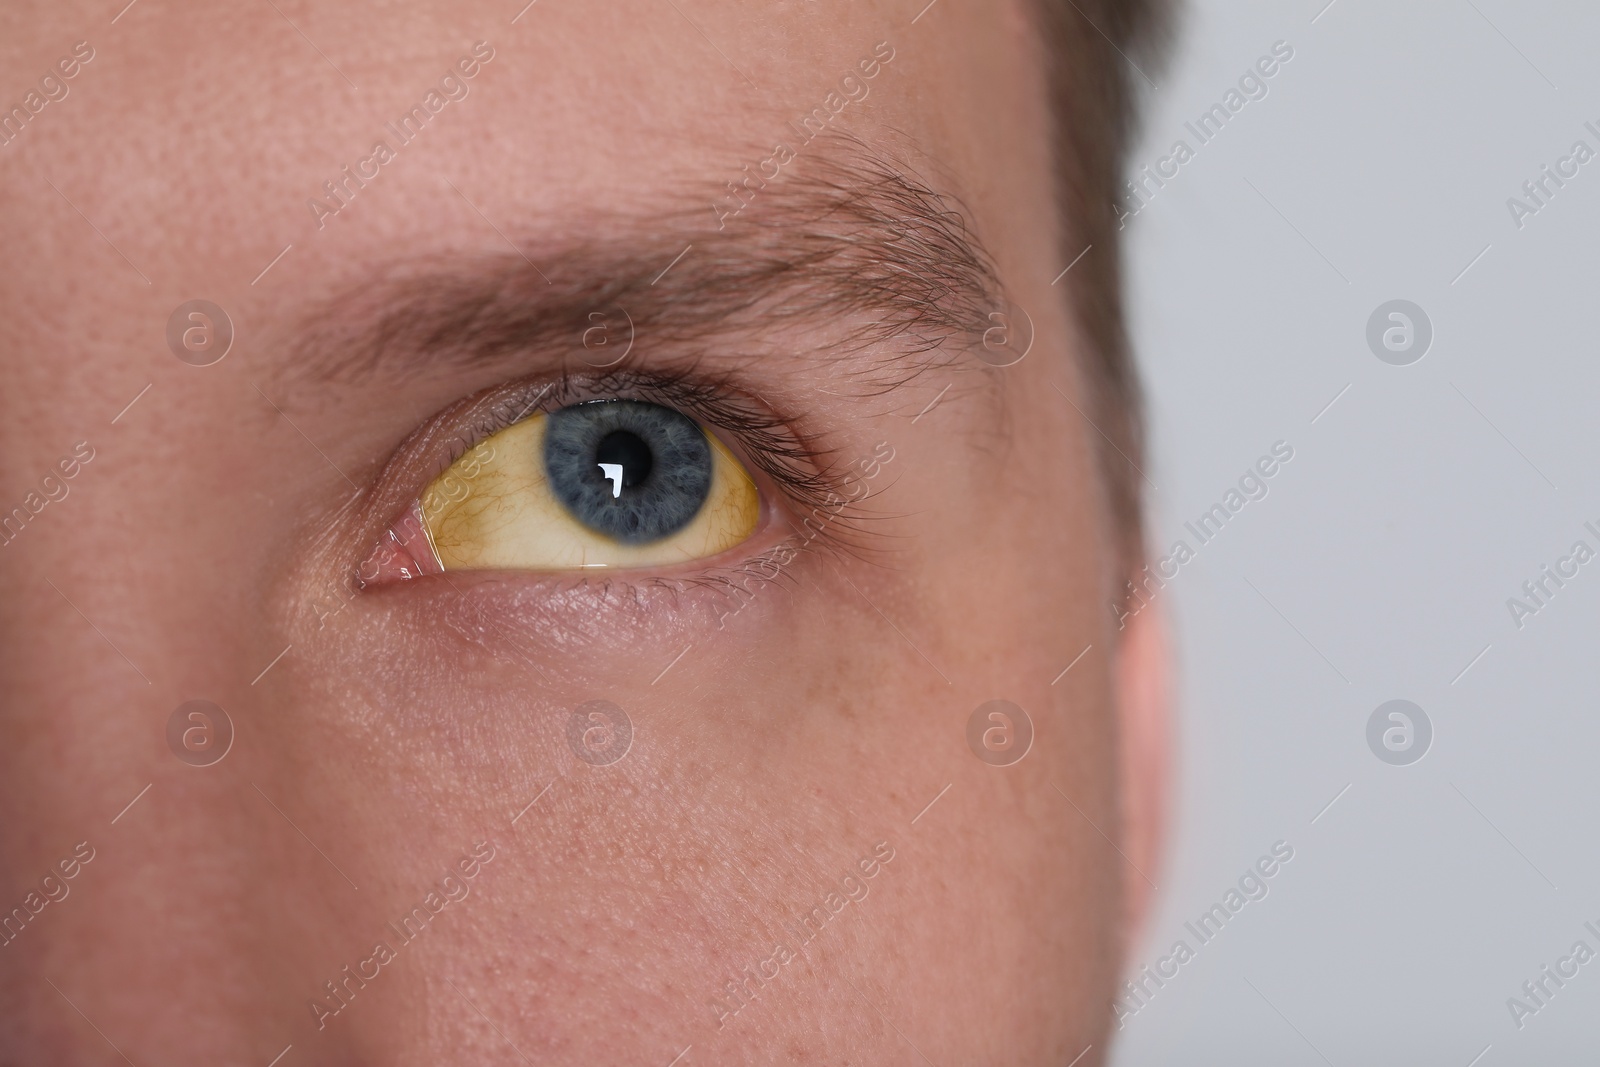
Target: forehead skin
[[229, 503]]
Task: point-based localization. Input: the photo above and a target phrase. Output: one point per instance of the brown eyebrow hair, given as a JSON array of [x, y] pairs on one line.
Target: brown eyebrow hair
[[849, 237]]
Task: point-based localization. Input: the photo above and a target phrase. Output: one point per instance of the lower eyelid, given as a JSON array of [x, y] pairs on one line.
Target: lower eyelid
[[505, 623]]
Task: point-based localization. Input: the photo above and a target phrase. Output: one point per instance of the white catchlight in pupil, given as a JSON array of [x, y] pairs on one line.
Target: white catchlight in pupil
[[627, 454]]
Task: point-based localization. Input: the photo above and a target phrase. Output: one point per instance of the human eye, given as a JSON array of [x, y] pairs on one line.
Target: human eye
[[598, 479]]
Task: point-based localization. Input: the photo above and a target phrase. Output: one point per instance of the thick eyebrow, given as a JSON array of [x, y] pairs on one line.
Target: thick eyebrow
[[845, 240]]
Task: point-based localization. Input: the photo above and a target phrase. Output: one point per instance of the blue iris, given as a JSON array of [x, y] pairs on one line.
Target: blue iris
[[632, 471]]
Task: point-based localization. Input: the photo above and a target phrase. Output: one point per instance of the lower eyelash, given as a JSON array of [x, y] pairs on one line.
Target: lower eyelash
[[746, 580]]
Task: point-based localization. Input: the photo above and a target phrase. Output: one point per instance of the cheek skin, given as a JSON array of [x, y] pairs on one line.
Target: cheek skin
[[766, 761], [768, 756]]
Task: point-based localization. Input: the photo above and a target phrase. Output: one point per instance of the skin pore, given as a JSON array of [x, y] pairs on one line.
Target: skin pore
[[403, 743]]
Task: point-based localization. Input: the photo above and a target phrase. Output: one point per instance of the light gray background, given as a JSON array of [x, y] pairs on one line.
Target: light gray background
[[1413, 509]]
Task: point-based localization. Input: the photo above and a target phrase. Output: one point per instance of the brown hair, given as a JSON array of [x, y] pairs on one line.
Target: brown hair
[[1092, 48]]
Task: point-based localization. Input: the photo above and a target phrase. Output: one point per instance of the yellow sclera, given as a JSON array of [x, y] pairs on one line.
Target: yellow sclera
[[494, 510]]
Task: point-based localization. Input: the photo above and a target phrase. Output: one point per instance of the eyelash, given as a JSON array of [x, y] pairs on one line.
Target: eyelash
[[796, 465]]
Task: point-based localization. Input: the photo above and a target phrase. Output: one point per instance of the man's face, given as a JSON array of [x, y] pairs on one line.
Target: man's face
[[425, 842]]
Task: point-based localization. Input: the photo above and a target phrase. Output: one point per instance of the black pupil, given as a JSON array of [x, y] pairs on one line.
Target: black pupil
[[628, 470], [628, 451]]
